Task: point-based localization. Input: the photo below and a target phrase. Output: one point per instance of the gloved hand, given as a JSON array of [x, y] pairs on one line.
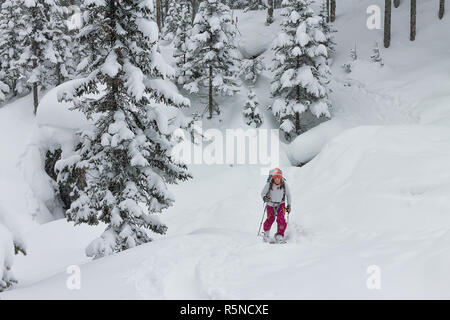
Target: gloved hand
[[266, 198], [288, 208]]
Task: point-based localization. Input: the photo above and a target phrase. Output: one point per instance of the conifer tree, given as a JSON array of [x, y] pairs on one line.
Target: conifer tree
[[251, 69], [122, 166], [212, 56], [11, 73], [252, 114], [38, 39], [171, 21], [301, 69], [181, 39]]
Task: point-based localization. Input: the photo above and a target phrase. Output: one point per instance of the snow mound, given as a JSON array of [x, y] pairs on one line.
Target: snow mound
[[57, 114]]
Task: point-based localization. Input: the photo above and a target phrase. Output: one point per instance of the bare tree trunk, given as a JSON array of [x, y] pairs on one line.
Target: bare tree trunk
[[387, 22], [396, 3], [158, 14], [441, 8], [211, 100], [35, 92], [412, 35], [328, 11], [194, 9], [333, 10], [270, 12]]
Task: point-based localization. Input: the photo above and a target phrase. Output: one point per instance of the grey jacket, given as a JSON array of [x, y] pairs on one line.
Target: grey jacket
[[276, 194]]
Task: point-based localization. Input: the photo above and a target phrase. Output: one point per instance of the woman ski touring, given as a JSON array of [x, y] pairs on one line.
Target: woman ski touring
[[277, 197]]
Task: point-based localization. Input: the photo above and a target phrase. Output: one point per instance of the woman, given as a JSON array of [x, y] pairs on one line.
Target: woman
[[276, 194]]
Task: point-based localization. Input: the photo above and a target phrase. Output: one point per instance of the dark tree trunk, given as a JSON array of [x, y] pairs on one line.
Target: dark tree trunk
[[35, 96], [158, 14], [387, 22], [328, 10], [396, 3], [211, 100], [412, 35], [270, 12], [441, 8], [333, 10], [194, 8]]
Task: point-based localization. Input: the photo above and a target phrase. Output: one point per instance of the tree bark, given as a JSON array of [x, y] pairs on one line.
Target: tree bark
[[412, 35], [441, 8], [396, 3], [387, 22], [270, 12], [35, 96], [158, 14], [328, 11], [194, 9], [211, 100], [333, 10]]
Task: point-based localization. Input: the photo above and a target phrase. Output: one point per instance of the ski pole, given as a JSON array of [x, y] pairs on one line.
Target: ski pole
[[262, 219]]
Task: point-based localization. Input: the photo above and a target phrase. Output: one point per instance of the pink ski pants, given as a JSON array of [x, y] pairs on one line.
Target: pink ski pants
[[281, 221]]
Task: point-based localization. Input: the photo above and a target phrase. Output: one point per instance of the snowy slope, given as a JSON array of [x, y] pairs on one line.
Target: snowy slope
[[375, 195], [367, 199]]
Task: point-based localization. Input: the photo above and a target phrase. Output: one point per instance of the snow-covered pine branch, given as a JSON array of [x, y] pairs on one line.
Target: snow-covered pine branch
[[251, 69]]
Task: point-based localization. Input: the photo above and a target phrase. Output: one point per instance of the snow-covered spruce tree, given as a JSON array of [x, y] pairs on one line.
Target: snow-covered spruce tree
[[252, 114], [327, 29], [251, 69], [38, 39], [181, 38], [62, 57], [172, 19], [301, 70], [11, 73], [255, 5], [121, 169], [376, 55], [212, 56]]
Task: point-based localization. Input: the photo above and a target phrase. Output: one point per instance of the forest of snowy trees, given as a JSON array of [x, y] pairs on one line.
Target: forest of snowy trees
[[121, 169]]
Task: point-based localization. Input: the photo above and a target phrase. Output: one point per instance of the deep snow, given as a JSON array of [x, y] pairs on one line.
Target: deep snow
[[377, 194]]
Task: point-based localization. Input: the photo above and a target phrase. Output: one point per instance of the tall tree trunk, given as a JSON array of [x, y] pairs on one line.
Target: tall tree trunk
[[396, 3], [211, 100], [328, 11], [387, 22], [333, 10], [158, 14], [58, 74], [441, 8], [412, 35], [35, 92], [194, 9], [297, 115], [270, 12]]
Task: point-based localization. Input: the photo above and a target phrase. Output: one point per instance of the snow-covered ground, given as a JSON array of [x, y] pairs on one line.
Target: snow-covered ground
[[377, 193]]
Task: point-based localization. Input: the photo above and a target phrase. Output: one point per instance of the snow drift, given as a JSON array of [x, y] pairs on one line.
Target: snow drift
[[375, 195]]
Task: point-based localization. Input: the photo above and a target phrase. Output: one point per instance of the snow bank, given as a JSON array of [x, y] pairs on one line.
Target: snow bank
[[59, 114], [307, 145], [6, 251]]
